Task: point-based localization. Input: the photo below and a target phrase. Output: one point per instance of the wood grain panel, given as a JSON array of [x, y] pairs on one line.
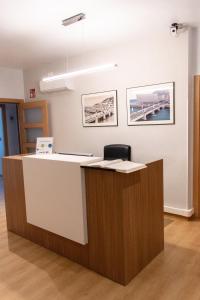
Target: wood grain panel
[[196, 154], [143, 215], [125, 220], [105, 224]]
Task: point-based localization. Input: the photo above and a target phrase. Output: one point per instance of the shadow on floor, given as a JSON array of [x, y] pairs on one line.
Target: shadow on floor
[[167, 221]]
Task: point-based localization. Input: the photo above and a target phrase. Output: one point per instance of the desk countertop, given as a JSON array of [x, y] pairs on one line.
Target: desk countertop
[[64, 158]]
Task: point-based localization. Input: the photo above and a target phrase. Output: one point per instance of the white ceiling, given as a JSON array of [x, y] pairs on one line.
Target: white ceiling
[[31, 31]]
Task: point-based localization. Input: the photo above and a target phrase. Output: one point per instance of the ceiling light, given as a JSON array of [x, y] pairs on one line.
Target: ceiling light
[[81, 72], [73, 19]]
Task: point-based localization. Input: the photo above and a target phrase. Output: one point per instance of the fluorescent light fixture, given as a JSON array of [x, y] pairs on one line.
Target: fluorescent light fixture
[[73, 19], [80, 72]]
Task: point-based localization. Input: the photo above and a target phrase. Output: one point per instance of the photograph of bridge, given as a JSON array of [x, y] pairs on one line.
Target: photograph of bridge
[[151, 105], [100, 109]]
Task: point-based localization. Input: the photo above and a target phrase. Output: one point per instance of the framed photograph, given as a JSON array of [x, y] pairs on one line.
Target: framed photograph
[[151, 104], [100, 109]]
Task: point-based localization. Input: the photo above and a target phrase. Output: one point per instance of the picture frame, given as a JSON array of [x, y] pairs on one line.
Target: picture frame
[[151, 104], [100, 109]]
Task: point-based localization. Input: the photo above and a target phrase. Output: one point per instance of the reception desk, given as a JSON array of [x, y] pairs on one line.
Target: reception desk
[[119, 216]]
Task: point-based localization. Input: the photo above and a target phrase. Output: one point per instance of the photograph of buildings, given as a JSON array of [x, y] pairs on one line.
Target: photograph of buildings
[[153, 104], [100, 109]]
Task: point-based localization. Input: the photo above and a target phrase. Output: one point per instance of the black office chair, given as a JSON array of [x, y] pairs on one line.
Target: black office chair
[[116, 151]]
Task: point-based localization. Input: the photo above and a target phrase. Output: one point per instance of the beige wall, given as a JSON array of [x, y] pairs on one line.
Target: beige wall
[[157, 60], [198, 52], [11, 83]]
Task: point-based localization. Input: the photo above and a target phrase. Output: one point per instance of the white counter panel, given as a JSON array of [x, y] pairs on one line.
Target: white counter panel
[[55, 194]]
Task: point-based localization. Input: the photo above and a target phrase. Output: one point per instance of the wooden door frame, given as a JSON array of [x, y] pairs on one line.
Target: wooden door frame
[[196, 148], [24, 124], [10, 100]]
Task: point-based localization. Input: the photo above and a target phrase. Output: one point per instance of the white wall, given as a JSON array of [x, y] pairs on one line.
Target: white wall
[[11, 83], [198, 52], [158, 60]]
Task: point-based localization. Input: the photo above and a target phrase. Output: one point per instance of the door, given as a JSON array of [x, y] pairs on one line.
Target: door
[[2, 147], [11, 129], [33, 123]]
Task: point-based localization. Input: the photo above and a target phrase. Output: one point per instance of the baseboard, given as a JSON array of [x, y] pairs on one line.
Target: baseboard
[[179, 211]]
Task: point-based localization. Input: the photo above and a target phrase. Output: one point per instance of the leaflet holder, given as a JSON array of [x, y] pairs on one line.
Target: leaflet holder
[[117, 151]]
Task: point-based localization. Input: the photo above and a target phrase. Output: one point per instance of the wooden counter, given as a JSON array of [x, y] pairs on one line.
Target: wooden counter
[[124, 219]]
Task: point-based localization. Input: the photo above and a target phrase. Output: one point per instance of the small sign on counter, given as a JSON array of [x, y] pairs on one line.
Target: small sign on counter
[[44, 145]]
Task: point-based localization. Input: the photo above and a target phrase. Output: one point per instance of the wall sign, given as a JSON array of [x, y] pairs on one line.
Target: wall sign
[[32, 93], [44, 145]]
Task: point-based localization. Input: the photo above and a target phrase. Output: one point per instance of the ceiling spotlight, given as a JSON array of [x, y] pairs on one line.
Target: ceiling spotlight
[[73, 19]]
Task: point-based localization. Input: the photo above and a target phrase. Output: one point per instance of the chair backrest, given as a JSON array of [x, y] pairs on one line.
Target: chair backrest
[[116, 151]]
